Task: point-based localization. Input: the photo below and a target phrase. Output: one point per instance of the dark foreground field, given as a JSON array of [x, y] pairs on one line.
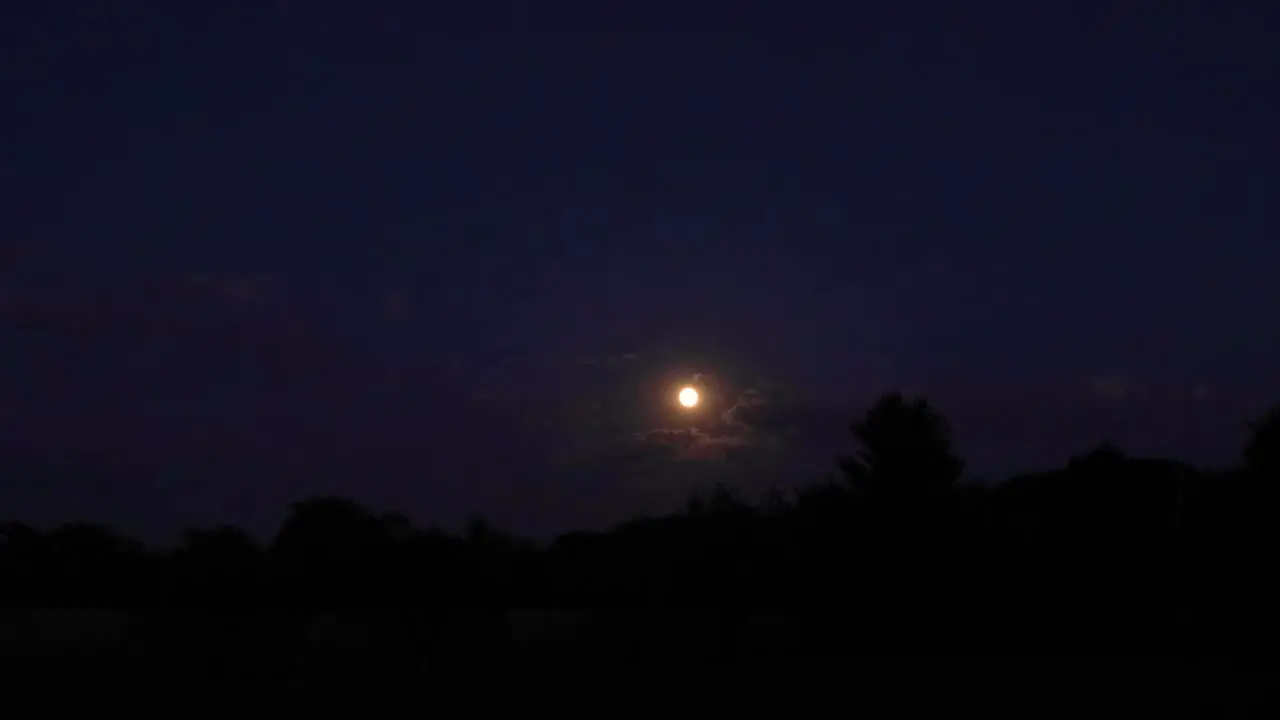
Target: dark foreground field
[[1134, 686], [81, 663]]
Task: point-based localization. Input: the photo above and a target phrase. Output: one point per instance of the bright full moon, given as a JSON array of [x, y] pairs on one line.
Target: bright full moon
[[688, 397]]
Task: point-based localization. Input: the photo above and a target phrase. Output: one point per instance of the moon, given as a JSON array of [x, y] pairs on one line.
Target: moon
[[688, 397]]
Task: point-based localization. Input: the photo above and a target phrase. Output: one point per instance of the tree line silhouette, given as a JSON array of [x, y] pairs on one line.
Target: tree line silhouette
[[894, 553]]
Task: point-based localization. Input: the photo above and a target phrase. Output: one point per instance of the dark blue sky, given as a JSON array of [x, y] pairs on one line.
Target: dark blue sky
[[449, 264]]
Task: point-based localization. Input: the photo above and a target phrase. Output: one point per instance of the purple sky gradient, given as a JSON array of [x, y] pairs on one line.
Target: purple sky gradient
[[254, 255]]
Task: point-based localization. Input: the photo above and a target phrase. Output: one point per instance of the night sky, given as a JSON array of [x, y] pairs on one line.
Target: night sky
[[451, 264]]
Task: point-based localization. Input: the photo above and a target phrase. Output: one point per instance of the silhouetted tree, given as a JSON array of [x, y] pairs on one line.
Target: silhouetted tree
[[328, 528], [93, 563], [721, 556], [23, 560], [1107, 550], [224, 545], [1262, 451], [18, 539], [397, 527], [1254, 545], [220, 564], [1105, 456], [330, 551], [906, 449]]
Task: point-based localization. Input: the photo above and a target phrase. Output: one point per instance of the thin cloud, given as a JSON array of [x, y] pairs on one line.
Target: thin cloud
[[725, 439], [690, 444], [746, 410]]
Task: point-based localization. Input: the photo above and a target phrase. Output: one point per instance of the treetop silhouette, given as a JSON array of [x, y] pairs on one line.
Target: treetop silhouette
[[1111, 547], [906, 449]]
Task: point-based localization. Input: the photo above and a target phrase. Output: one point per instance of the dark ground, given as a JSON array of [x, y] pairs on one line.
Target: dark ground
[[337, 674]]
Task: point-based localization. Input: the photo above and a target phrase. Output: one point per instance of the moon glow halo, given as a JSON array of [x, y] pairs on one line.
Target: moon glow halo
[[688, 397]]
